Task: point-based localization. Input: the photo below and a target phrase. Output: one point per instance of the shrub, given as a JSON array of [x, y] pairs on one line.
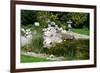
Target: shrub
[[71, 49], [36, 42]]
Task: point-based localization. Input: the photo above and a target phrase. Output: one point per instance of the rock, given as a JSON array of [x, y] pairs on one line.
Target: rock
[[26, 38], [51, 35], [79, 36], [51, 56], [67, 35]]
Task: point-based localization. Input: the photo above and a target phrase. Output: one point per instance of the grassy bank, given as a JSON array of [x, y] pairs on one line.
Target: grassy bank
[[84, 31], [26, 59]]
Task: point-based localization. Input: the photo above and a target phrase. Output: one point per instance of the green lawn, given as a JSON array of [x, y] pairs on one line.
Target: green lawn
[[26, 59], [84, 31]]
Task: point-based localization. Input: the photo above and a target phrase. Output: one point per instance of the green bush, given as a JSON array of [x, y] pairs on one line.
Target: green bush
[[71, 49], [36, 43], [83, 50], [24, 48]]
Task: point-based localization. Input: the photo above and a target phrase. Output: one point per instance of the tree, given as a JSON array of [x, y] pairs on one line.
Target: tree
[[28, 17], [79, 19], [44, 16], [60, 18]]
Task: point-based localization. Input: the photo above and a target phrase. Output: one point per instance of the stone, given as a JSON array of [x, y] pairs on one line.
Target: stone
[[51, 56], [67, 35], [51, 35], [69, 25], [26, 38]]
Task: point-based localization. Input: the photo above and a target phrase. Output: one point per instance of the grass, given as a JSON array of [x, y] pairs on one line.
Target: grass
[[84, 31], [26, 59]]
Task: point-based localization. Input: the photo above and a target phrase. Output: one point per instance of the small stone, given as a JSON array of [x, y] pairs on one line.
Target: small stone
[[51, 56]]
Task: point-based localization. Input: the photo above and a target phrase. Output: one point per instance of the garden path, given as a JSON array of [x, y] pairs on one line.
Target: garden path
[[49, 57]]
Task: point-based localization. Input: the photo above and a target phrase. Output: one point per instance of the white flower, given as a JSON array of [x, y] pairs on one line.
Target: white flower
[[28, 30], [36, 24], [23, 30]]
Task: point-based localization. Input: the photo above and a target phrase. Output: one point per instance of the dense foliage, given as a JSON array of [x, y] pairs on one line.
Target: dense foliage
[[79, 19], [71, 49]]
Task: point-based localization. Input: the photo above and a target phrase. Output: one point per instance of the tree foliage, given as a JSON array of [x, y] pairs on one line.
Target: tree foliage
[[79, 19], [28, 17], [60, 18]]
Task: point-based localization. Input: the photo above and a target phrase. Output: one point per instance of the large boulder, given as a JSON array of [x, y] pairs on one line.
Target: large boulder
[[51, 35], [67, 35], [26, 38]]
